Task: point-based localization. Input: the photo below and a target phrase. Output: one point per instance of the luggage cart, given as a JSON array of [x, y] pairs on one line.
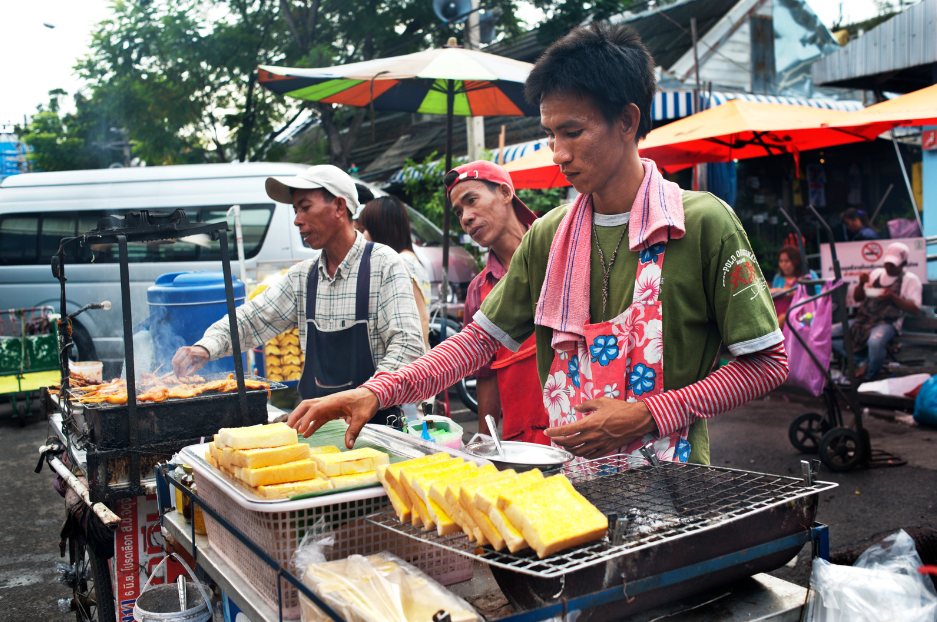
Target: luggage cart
[[28, 355], [841, 447]]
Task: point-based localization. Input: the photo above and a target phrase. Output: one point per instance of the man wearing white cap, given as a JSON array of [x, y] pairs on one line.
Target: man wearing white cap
[[353, 303], [895, 292]]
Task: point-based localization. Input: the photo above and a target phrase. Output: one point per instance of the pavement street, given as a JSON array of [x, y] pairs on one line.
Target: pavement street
[[868, 504]]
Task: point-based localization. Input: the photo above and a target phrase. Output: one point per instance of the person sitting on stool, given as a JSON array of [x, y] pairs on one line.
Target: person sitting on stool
[[880, 317]]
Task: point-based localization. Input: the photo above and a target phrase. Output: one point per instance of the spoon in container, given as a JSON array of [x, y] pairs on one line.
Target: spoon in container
[[493, 429]]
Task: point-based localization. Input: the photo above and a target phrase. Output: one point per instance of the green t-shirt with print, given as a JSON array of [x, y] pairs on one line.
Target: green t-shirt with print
[[712, 291]]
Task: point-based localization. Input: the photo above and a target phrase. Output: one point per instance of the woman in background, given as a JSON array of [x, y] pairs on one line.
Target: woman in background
[[790, 269], [856, 226], [384, 220]]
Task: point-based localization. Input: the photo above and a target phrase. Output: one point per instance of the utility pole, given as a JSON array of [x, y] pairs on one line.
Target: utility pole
[[699, 171], [474, 126]]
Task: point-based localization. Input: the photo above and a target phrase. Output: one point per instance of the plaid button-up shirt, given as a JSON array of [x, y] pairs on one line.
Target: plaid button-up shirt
[[394, 327]]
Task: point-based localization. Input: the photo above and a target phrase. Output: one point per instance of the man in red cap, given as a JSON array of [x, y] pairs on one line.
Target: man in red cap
[[483, 199]]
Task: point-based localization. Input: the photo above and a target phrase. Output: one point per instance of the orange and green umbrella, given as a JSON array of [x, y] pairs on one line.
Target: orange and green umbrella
[[480, 84]]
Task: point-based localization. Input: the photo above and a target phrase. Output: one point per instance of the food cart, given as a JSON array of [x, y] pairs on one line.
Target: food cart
[[680, 536]]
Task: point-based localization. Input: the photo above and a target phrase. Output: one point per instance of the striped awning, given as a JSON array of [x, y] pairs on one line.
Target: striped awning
[[511, 152], [667, 105], [678, 104]]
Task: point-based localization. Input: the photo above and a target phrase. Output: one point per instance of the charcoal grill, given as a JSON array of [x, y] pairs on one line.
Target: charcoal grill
[[128, 439], [662, 519]]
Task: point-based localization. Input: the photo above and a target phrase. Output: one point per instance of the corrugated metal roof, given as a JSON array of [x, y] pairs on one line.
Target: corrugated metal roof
[[905, 44]]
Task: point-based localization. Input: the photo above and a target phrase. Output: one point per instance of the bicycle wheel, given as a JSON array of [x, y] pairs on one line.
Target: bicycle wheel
[[92, 593], [466, 391]]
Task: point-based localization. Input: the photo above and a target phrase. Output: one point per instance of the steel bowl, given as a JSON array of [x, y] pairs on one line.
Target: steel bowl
[[520, 456]]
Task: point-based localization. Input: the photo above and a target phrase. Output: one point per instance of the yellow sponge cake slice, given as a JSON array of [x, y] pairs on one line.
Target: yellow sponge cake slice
[[255, 437], [289, 489], [300, 470], [356, 479], [350, 462], [264, 456], [420, 512], [552, 516], [419, 484], [326, 449]]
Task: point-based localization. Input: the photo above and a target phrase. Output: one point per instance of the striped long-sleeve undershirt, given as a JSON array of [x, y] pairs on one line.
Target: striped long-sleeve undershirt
[[744, 379], [453, 359]]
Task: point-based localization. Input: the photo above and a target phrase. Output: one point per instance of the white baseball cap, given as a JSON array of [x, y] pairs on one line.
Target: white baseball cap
[[896, 254], [326, 176]]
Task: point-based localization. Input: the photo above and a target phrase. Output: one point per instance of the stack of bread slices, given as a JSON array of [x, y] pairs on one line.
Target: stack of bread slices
[[503, 509], [271, 462]]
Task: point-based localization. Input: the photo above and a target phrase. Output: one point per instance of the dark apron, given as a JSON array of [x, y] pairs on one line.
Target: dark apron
[[340, 360]]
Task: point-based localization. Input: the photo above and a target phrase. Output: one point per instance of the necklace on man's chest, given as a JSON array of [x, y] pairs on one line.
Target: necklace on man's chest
[[606, 269]]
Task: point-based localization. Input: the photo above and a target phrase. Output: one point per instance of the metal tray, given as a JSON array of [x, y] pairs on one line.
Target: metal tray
[[661, 504], [194, 456]]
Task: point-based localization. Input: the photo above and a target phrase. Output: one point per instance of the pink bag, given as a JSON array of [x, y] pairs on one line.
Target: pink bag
[[814, 323]]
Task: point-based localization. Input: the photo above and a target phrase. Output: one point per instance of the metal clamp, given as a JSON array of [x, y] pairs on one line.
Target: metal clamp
[[650, 456], [616, 529], [810, 470]]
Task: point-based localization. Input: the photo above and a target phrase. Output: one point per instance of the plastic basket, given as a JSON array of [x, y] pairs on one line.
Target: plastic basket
[[278, 533]]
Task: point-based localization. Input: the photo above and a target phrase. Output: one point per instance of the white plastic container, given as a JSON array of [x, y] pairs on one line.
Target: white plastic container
[[92, 370]]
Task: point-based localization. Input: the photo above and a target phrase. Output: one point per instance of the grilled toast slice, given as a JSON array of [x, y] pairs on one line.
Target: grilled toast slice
[[402, 509], [326, 449], [392, 472], [486, 498], [421, 514], [420, 484], [298, 471], [439, 493], [479, 519], [552, 516], [350, 462], [256, 437]]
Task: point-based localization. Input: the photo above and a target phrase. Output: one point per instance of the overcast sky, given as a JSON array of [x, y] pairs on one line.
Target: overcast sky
[[39, 59]]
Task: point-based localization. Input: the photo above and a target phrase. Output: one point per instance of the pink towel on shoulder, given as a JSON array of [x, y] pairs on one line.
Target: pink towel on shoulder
[[656, 216]]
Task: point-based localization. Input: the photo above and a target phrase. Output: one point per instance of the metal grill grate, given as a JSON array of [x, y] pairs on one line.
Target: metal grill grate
[[653, 504], [77, 393]]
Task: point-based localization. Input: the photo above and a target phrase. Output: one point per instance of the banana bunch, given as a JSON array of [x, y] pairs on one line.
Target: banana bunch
[[283, 357]]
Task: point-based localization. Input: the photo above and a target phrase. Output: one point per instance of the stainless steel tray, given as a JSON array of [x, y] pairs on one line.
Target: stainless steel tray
[[658, 504]]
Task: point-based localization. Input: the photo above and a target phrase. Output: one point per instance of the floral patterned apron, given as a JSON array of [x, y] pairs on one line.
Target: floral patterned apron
[[620, 359]]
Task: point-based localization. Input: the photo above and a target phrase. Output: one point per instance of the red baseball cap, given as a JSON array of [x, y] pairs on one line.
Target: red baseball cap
[[483, 170]]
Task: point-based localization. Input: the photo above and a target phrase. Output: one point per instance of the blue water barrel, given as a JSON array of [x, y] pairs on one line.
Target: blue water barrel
[[185, 304]]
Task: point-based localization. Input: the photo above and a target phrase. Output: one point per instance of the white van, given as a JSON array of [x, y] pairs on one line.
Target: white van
[[38, 209]]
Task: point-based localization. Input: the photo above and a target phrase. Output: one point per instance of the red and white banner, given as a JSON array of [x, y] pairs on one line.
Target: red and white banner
[[136, 553], [858, 257]]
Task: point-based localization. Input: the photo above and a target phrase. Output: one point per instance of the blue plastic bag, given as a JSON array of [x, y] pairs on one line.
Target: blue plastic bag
[[925, 405]]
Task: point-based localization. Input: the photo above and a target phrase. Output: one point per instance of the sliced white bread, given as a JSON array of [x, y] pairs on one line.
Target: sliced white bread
[[298, 471], [256, 437], [350, 462], [552, 516]]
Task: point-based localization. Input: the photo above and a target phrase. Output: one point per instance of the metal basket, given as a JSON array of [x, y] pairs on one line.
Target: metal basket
[[280, 532]]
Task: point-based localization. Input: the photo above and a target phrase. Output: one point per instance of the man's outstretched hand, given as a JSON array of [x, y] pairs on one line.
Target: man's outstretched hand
[[188, 360], [356, 407]]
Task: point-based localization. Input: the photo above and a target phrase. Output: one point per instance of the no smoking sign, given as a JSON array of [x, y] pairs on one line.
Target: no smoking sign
[[872, 252]]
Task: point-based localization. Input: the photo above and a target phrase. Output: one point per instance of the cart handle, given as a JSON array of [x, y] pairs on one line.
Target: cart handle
[[787, 322], [110, 520]]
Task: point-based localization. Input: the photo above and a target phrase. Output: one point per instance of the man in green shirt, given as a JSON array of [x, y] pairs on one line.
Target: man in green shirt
[[610, 315]]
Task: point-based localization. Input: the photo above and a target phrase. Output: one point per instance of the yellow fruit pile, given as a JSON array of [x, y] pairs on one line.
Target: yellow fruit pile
[[283, 358], [504, 509]]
